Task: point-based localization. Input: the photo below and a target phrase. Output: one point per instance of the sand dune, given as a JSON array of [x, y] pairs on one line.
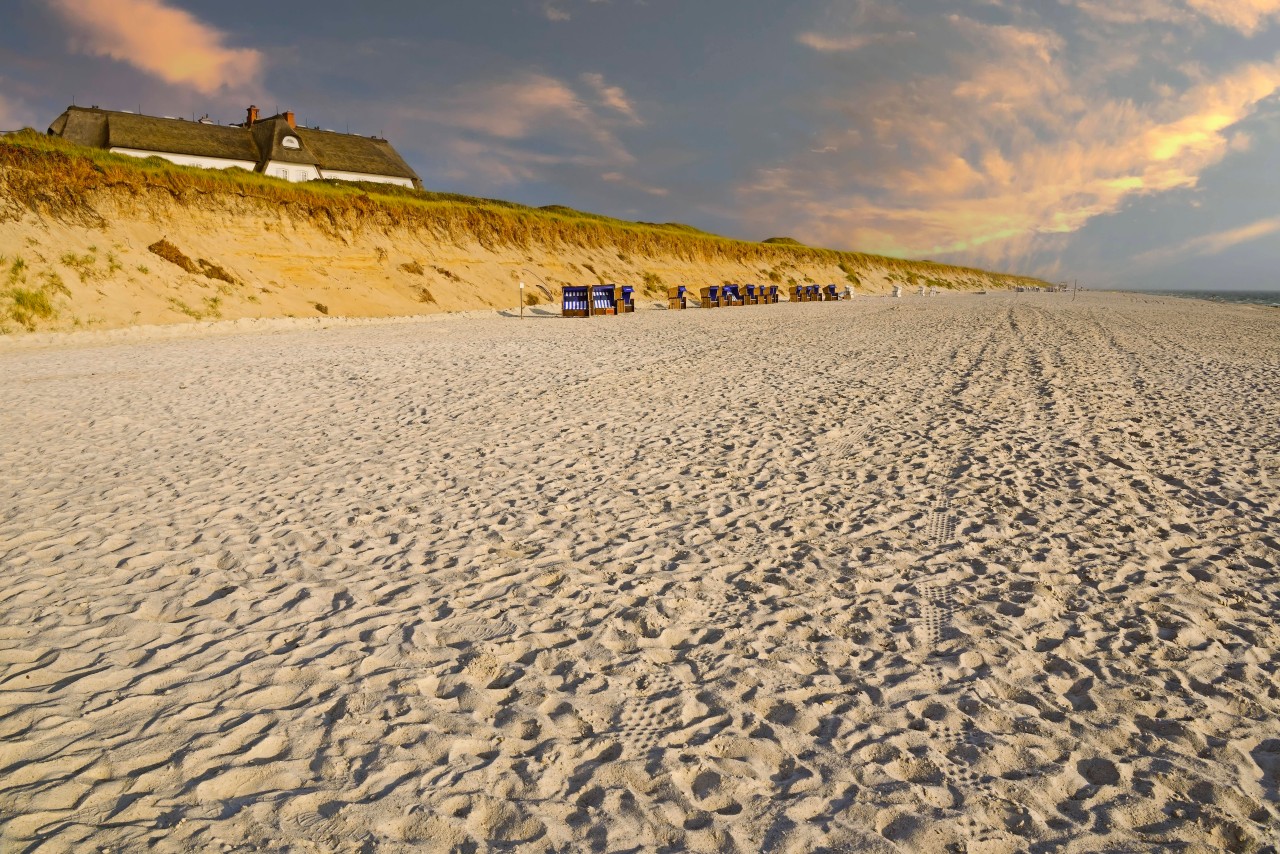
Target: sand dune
[[967, 573]]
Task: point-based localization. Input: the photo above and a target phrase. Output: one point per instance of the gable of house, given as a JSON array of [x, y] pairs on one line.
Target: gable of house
[[359, 155]]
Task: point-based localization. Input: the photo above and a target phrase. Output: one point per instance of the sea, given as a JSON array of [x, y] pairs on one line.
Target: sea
[[1267, 298]]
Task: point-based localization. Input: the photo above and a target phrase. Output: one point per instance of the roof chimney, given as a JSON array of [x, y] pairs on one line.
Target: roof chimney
[[251, 117], [288, 117]]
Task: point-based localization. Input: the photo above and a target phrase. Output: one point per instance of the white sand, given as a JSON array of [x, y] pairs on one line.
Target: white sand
[[972, 573]]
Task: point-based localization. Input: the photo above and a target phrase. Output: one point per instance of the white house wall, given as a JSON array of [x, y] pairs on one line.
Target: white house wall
[[361, 176], [275, 168], [291, 171], [189, 160]]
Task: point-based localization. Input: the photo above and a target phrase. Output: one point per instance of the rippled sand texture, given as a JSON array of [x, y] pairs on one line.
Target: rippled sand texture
[[970, 573]]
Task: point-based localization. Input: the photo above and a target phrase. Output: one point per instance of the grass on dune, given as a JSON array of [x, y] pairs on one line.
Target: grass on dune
[[55, 176]]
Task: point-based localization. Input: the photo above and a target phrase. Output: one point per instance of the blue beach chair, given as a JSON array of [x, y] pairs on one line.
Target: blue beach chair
[[575, 302], [604, 300]]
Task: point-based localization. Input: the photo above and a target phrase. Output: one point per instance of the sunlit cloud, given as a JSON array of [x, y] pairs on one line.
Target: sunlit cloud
[[1000, 160], [824, 43], [161, 40], [1212, 244], [515, 130], [1247, 16], [612, 97]]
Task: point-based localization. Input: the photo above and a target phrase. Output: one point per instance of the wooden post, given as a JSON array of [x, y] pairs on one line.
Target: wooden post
[[522, 300]]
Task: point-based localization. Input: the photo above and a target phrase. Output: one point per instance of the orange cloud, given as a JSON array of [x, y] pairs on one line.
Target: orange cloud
[[847, 44], [1001, 161], [613, 97], [1247, 16], [1213, 244], [169, 43]]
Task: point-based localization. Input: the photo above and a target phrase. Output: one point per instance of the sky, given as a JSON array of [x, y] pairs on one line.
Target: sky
[[1124, 143]]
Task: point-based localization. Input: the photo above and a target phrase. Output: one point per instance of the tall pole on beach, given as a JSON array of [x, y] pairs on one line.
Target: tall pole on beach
[[522, 300]]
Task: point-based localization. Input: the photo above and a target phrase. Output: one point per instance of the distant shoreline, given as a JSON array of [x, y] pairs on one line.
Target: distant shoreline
[[1267, 299]]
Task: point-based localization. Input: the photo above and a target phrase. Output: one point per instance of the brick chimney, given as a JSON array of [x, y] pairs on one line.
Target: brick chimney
[[288, 117], [251, 117]]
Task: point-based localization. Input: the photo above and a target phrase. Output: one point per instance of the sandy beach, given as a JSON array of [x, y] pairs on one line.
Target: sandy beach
[[969, 573]]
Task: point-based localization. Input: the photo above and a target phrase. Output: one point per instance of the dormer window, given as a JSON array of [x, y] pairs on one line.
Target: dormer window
[[290, 142]]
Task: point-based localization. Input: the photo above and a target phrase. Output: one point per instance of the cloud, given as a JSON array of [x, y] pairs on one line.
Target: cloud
[[623, 180], [161, 40], [523, 128], [1212, 244], [529, 106], [554, 10], [999, 158], [1247, 16], [613, 97], [847, 44], [14, 114]]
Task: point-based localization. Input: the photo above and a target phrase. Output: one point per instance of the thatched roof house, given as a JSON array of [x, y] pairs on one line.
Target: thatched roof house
[[273, 146]]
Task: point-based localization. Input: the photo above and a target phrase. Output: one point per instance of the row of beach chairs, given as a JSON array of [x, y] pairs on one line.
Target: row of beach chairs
[[595, 300]]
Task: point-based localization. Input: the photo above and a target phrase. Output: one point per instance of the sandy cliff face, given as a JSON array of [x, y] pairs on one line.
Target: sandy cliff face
[[82, 256]]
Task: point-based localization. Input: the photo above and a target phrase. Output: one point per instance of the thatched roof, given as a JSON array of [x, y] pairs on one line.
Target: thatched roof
[[147, 133], [346, 152], [261, 144], [84, 127]]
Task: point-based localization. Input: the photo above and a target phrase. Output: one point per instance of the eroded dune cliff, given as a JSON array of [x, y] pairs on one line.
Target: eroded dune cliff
[[89, 239]]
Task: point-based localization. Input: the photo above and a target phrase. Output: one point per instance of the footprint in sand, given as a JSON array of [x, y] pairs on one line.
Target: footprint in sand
[[941, 523], [473, 631], [645, 721]]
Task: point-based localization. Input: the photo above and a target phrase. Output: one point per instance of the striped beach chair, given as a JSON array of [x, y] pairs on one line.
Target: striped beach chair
[[731, 295], [604, 300], [627, 299], [751, 294], [575, 302]]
